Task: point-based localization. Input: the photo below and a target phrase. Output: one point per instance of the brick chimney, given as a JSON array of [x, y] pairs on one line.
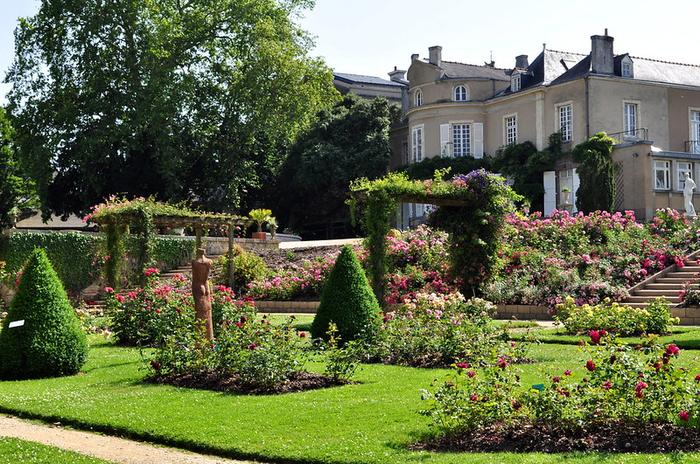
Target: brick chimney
[[521, 62], [397, 75], [602, 56], [435, 55]]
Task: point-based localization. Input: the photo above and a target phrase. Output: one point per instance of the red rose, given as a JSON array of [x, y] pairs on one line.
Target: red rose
[[471, 374], [684, 416], [473, 397], [590, 365], [252, 346], [567, 372], [595, 336], [607, 385], [502, 363], [463, 365], [672, 350]]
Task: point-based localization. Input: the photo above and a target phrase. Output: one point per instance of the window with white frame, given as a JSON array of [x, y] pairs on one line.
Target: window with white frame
[[683, 167], [694, 132], [627, 70], [566, 122], [418, 98], [662, 175], [515, 82], [631, 110], [461, 139], [417, 144], [461, 94], [510, 130]]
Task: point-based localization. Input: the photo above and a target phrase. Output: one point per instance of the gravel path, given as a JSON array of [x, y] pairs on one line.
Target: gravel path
[[118, 450]]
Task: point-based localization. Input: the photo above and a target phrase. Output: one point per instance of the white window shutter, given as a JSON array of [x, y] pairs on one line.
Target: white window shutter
[[577, 183], [478, 145], [444, 140], [549, 180]]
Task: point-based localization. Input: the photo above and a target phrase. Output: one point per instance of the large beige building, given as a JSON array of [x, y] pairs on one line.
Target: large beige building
[[651, 107]]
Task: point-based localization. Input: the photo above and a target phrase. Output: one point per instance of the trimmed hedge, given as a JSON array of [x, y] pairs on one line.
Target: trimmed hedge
[[76, 256], [51, 342], [347, 300]]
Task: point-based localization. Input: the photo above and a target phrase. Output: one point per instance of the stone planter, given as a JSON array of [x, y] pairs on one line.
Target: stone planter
[[259, 235]]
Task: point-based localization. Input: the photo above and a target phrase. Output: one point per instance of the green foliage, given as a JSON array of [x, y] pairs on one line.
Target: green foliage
[[247, 267], [51, 342], [161, 98], [347, 300], [16, 192], [616, 317], [597, 173], [260, 216], [346, 142], [455, 165], [72, 254], [341, 360]]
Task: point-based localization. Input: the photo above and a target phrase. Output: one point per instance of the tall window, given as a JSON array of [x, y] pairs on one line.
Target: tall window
[[662, 175], [630, 120], [461, 139], [515, 82], [565, 122], [627, 68], [460, 94], [681, 168], [417, 144], [695, 131], [510, 130], [418, 98]]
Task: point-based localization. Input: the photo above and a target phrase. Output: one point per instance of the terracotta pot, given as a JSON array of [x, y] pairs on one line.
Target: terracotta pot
[[260, 235]]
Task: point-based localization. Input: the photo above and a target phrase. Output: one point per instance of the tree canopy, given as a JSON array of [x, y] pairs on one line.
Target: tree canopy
[[346, 142], [597, 173], [16, 192], [179, 99]]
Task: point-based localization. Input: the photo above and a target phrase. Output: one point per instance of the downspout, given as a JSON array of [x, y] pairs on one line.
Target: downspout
[[588, 111]]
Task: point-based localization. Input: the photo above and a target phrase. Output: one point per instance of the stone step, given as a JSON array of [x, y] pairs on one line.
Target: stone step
[[674, 280], [690, 268], [656, 292], [649, 299], [683, 274], [659, 285]]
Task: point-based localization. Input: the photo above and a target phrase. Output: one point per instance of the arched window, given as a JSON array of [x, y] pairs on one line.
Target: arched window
[[418, 98], [460, 94]]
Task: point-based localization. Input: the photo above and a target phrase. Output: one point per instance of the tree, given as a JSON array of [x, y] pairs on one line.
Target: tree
[[180, 99], [16, 192], [50, 342], [596, 173], [347, 301], [348, 141]]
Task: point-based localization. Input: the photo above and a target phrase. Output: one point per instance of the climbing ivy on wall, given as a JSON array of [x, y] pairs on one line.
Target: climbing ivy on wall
[[596, 171]]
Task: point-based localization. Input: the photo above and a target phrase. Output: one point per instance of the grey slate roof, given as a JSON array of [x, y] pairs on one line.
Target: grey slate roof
[[455, 70], [360, 79]]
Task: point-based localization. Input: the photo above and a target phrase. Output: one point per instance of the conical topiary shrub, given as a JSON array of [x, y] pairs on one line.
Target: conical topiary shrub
[[347, 300], [50, 342]]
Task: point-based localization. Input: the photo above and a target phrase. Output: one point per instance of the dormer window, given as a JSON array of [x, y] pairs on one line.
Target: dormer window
[[418, 98], [515, 82], [627, 68], [461, 94]]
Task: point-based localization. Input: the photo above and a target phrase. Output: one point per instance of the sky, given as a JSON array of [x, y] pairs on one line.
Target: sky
[[372, 36]]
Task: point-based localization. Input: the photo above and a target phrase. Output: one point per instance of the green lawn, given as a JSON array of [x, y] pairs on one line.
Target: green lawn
[[13, 451], [370, 422], [685, 337]]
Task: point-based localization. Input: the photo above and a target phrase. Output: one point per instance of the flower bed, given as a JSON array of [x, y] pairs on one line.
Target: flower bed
[[590, 257], [623, 389]]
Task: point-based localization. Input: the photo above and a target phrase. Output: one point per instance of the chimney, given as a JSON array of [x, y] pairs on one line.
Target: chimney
[[397, 75], [521, 62], [602, 56], [414, 57], [435, 55]]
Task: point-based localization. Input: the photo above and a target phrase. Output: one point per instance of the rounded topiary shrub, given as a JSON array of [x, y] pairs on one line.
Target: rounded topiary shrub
[[51, 342], [347, 300]]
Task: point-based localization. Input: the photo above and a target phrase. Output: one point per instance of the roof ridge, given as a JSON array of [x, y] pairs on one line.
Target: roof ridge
[[477, 65], [664, 61], [564, 51]]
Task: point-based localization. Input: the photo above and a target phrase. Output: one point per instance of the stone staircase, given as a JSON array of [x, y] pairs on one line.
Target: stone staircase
[[667, 283]]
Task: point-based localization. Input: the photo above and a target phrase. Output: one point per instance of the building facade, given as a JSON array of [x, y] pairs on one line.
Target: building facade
[[651, 107], [370, 87]]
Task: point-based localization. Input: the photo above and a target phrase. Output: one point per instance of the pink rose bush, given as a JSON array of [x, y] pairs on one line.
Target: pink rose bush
[[589, 257], [617, 382]]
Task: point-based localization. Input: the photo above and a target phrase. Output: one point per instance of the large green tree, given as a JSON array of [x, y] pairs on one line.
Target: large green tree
[[597, 173], [16, 192], [181, 99], [347, 141]]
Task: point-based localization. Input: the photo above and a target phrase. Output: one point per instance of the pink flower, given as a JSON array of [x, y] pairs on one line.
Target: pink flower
[[595, 336], [463, 365], [684, 416], [607, 385], [473, 397], [109, 290], [502, 363], [471, 374], [672, 350], [151, 271], [120, 298], [556, 379], [590, 365], [252, 346], [567, 372]]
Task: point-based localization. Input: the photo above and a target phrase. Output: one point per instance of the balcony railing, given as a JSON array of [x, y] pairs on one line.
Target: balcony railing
[[692, 146], [633, 135]]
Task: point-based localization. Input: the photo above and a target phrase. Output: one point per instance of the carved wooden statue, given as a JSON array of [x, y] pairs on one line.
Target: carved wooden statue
[[201, 292]]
